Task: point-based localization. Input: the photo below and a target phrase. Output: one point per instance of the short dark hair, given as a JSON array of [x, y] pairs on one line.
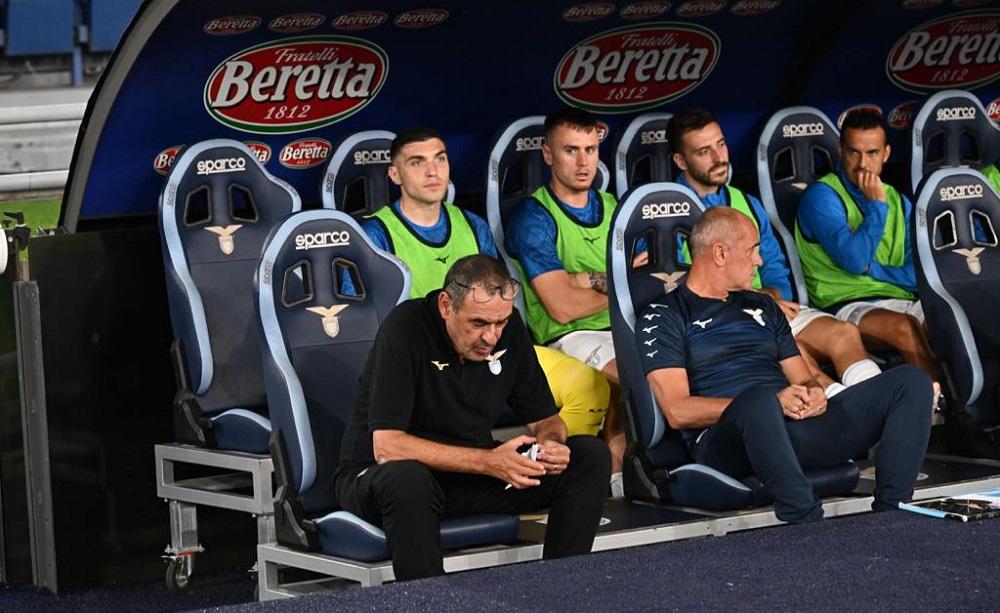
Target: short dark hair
[[685, 121], [862, 119], [571, 116], [411, 135], [470, 270]]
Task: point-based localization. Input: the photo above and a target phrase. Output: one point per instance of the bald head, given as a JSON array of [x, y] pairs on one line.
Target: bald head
[[719, 224]]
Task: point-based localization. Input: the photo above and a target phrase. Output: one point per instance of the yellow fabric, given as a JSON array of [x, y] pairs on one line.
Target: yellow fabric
[[581, 392]]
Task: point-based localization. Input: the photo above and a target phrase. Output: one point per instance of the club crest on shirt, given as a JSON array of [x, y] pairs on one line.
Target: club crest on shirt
[[756, 314], [494, 362]]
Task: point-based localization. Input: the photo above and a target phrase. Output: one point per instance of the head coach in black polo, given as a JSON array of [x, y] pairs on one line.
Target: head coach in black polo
[[419, 446]]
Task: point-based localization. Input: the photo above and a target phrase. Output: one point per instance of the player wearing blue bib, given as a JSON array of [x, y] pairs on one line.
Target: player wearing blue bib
[[726, 372]]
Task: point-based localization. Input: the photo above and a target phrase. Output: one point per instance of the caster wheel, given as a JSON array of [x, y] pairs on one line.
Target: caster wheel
[[178, 576]]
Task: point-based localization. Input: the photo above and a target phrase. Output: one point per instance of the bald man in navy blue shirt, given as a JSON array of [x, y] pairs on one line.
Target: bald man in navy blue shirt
[[726, 372]]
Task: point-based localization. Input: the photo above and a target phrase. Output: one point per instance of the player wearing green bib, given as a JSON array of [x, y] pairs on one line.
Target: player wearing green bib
[[701, 153], [559, 239], [852, 235], [428, 234]]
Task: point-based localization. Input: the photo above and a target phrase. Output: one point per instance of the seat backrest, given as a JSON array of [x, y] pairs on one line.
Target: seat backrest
[[658, 216], [798, 145], [642, 153], [316, 338], [216, 209], [356, 179], [602, 178], [952, 129], [516, 169], [957, 225]]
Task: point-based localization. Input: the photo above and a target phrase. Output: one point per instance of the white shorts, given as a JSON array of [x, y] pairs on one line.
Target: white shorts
[[592, 347], [854, 312], [804, 317]]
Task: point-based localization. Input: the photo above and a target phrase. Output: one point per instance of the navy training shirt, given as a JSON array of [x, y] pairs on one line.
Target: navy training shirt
[[726, 346]]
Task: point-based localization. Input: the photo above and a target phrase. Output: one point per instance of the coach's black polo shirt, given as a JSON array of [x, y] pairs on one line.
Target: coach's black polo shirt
[[414, 381]]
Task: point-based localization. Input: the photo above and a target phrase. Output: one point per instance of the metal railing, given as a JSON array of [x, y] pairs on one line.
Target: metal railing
[[68, 114]]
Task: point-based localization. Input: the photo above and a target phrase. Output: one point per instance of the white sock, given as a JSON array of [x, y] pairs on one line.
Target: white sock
[[862, 370], [834, 388], [617, 486]]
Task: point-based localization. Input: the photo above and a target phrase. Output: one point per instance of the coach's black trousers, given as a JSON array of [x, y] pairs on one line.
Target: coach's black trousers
[[753, 437], [408, 500]]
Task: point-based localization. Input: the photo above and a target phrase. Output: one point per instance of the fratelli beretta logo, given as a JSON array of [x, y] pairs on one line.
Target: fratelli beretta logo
[[296, 84], [961, 51], [637, 67]]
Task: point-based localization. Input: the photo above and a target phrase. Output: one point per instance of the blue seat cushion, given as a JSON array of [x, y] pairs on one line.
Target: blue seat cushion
[[241, 430], [346, 535], [697, 485]]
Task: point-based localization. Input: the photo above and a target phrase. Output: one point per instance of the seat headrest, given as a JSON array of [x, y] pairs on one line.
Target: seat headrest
[[219, 203], [318, 330], [355, 180], [217, 206], [659, 216], [957, 219], [656, 216], [516, 169], [602, 177], [952, 129], [798, 145], [642, 153]]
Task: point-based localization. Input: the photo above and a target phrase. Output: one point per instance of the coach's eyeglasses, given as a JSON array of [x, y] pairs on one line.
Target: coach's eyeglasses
[[484, 293]]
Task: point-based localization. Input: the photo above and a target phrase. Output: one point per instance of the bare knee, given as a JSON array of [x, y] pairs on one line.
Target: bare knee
[[907, 332], [843, 337]]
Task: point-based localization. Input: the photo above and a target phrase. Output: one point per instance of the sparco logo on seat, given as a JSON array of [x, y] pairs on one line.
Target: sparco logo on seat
[[956, 113], [376, 156], [318, 240], [665, 209], [636, 67], [212, 167], [529, 143], [960, 192], [794, 130], [295, 84], [651, 137], [957, 52]]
